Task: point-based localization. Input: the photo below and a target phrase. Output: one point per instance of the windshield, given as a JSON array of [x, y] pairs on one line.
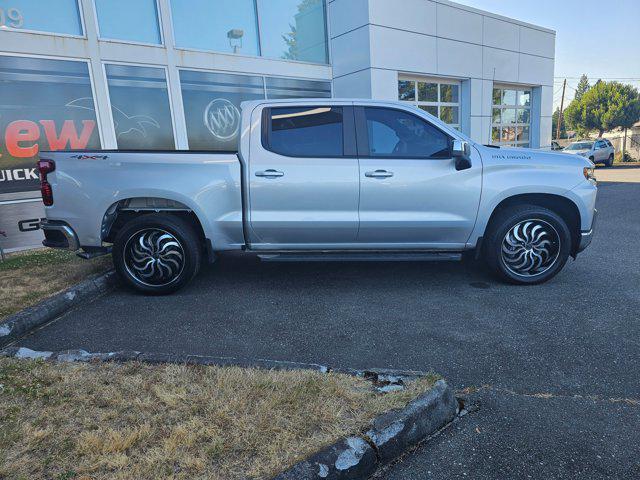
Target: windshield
[[580, 146]]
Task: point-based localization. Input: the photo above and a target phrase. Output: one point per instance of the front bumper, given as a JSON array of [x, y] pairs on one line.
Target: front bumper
[[59, 235], [586, 237]]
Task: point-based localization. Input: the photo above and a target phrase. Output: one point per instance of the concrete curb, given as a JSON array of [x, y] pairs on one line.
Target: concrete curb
[[352, 458], [392, 434], [21, 323], [381, 378]]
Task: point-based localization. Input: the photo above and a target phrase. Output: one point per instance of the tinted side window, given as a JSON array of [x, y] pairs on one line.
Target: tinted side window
[[394, 133], [306, 131]]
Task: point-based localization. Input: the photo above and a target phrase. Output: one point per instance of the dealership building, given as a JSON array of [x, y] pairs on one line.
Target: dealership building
[[170, 74]]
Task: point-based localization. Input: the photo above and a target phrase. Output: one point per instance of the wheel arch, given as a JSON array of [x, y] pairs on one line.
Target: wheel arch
[[124, 210], [558, 204]]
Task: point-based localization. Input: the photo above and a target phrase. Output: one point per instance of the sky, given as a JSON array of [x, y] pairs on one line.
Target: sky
[[596, 37]]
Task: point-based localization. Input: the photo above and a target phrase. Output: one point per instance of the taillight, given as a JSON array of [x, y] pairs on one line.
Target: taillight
[[45, 167]]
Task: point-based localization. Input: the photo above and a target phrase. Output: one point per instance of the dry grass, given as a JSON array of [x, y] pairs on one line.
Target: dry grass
[[29, 277], [139, 421]]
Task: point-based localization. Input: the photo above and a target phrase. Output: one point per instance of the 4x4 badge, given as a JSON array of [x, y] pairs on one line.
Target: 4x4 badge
[[90, 157]]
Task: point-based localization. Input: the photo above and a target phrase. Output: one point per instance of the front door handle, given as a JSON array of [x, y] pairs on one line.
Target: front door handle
[[270, 173], [379, 174]]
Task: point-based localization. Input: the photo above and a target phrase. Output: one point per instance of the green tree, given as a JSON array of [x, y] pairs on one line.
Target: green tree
[[582, 88], [574, 118], [605, 106], [554, 123]]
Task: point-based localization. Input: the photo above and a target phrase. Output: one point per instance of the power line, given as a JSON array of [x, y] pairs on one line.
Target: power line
[[635, 79]]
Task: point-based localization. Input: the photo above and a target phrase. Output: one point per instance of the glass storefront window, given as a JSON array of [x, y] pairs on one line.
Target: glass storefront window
[[55, 16], [511, 125], [126, 20], [293, 30], [432, 109], [439, 98], [228, 26], [288, 88], [212, 107], [44, 105], [427, 92], [140, 107], [406, 90]]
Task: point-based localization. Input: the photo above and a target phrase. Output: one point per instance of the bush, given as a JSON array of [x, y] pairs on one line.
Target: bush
[[627, 157]]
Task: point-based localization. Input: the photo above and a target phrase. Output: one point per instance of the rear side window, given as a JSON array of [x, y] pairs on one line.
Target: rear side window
[[306, 131], [395, 133]]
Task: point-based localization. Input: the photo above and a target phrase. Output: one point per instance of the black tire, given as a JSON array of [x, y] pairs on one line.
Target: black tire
[[609, 162], [540, 229], [157, 254]]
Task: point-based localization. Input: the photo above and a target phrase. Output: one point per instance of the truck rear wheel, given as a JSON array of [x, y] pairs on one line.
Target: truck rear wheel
[[527, 244], [156, 254]]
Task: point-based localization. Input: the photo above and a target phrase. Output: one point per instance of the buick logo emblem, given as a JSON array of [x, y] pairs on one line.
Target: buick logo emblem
[[222, 119]]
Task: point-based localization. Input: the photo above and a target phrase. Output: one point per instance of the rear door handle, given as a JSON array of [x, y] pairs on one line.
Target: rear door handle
[[270, 173], [379, 174]]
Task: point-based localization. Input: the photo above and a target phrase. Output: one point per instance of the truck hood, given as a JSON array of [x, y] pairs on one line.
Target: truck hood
[[536, 157]]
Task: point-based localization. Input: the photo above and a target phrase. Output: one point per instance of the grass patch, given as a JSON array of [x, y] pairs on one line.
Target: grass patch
[[122, 421], [28, 277]]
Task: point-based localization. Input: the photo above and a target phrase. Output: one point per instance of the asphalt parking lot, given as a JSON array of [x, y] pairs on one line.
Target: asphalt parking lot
[[554, 368]]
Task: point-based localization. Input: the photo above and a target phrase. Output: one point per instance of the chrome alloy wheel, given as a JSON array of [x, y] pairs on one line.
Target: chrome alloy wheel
[[154, 257], [530, 248]]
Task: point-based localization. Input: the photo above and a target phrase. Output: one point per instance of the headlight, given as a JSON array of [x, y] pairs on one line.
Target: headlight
[[589, 173]]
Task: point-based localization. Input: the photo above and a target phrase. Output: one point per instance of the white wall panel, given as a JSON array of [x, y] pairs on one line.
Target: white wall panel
[[500, 65], [537, 42], [354, 85], [547, 101], [487, 97], [485, 139], [412, 15], [459, 24], [459, 59], [536, 70], [352, 51], [476, 97], [545, 132], [384, 84], [501, 34], [476, 129], [34, 43], [404, 51]]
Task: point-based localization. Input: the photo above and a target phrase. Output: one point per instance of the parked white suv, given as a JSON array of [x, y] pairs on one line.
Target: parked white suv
[[598, 151]]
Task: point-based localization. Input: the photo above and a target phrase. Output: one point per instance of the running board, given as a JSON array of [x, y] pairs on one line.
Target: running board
[[362, 257], [92, 252]]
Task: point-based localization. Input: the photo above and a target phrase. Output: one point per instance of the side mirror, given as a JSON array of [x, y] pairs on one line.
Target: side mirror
[[461, 151]]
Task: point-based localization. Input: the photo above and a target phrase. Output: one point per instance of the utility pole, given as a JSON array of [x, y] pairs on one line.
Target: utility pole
[[564, 86]]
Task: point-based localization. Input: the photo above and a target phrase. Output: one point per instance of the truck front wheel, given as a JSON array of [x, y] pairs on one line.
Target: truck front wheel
[[527, 244], [156, 254]]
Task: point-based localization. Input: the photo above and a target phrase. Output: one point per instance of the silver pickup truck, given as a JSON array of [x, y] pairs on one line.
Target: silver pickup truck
[[322, 180]]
